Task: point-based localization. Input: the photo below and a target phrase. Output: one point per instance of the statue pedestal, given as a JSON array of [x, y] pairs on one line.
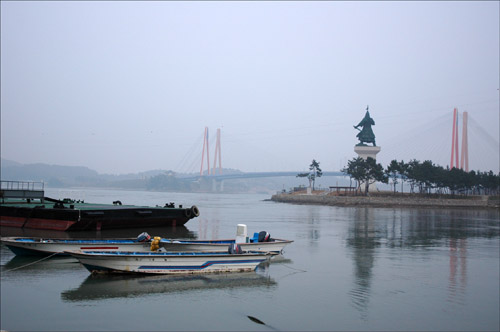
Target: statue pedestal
[[365, 152]]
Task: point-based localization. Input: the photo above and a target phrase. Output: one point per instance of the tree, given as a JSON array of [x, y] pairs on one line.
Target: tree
[[365, 171], [305, 175], [403, 172], [411, 173], [315, 172], [426, 176], [393, 171], [356, 170], [429, 177], [375, 172], [489, 182]]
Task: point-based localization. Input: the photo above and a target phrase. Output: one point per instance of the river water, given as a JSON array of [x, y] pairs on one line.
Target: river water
[[348, 269]]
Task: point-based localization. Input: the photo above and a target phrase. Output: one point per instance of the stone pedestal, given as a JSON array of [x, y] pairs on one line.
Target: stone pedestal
[[365, 152]]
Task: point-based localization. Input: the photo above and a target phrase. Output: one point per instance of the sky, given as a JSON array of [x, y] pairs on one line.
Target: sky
[[125, 87]]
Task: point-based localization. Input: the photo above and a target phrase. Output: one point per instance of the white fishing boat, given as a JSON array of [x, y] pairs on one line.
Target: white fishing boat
[[143, 243], [169, 262], [274, 246], [44, 246], [260, 241]]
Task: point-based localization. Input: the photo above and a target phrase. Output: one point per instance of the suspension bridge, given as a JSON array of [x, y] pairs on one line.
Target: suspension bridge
[[454, 139]]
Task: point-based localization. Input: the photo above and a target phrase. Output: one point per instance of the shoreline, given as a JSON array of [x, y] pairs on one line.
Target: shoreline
[[475, 202]]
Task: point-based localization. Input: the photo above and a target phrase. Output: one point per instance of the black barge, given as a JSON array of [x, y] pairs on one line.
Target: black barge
[[24, 206]]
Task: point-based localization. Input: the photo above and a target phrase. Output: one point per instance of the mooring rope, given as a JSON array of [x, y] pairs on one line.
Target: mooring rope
[[292, 268], [20, 267]]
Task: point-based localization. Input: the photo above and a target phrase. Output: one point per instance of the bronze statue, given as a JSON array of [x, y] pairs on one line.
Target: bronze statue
[[366, 134]]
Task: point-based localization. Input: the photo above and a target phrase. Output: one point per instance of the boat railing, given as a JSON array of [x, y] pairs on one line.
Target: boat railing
[[21, 185], [22, 189]]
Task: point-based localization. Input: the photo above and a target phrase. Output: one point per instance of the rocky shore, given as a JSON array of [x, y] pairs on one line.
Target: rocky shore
[[391, 201]]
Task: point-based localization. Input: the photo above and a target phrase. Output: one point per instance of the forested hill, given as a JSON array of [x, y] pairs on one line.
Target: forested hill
[[38, 172], [79, 176], [63, 176]]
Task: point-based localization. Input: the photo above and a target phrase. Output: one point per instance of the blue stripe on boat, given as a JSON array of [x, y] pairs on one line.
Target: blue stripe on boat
[[201, 267], [153, 253], [75, 241], [31, 252], [96, 241]]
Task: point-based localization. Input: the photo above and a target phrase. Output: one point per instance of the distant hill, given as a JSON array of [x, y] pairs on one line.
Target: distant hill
[[71, 176], [55, 174], [58, 176], [8, 163]]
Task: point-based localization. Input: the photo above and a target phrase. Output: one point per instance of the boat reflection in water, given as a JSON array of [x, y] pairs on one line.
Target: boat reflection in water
[[178, 232], [106, 286], [275, 260]]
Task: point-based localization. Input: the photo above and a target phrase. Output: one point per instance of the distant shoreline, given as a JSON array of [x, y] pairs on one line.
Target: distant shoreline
[[392, 201]]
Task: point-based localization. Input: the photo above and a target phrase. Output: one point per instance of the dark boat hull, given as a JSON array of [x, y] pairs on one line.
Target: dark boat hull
[[74, 219]]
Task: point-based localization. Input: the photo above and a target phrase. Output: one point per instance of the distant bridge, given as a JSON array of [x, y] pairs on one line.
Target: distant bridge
[[218, 180], [252, 175]]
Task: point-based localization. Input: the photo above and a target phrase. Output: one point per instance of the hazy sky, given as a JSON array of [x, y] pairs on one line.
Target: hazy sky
[[130, 86]]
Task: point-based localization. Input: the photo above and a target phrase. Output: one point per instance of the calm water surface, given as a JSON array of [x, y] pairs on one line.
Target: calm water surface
[[348, 269]]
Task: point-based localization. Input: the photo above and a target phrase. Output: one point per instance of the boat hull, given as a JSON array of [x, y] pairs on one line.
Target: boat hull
[[77, 217], [169, 263], [276, 246]]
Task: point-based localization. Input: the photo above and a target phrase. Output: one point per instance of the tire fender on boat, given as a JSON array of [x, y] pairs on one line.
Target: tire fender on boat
[[187, 213], [194, 211]]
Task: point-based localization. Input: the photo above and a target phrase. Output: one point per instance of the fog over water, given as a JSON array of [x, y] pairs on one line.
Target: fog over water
[[130, 86]]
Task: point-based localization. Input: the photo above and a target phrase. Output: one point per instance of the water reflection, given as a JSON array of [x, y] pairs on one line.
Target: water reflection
[[313, 220], [204, 226], [421, 233], [278, 259], [363, 239], [435, 224], [167, 232], [310, 217], [21, 265], [101, 287], [458, 265]]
